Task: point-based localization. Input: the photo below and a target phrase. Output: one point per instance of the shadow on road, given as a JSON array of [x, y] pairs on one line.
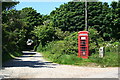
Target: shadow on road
[[29, 63], [29, 53], [29, 56]]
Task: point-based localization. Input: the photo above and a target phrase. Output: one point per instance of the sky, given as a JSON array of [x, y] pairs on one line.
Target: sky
[[40, 7], [44, 7]]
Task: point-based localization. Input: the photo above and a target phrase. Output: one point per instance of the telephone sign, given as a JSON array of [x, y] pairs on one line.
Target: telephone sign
[[83, 50]]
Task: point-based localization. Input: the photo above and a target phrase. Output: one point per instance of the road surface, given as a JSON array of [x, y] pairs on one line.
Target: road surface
[[32, 65]]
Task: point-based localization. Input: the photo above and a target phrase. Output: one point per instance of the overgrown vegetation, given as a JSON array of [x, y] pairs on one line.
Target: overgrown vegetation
[[65, 52], [55, 35]]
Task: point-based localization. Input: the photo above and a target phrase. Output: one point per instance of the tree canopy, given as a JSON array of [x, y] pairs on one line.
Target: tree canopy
[[101, 16]]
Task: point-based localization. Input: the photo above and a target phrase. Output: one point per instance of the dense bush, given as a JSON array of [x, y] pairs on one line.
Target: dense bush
[[71, 44], [60, 35], [44, 33], [95, 41], [112, 46], [55, 49]]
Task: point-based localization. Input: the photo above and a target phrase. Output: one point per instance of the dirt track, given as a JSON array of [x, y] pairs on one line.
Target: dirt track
[[32, 65]]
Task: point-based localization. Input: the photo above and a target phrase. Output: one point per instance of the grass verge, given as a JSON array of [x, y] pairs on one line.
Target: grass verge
[[55, 52], [109, 60]]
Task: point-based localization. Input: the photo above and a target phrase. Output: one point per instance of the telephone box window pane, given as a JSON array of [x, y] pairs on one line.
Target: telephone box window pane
[[83, 43], [83, 48], [83, 38]]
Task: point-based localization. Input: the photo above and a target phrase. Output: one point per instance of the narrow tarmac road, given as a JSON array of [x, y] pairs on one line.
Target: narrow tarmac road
[[32, 65]]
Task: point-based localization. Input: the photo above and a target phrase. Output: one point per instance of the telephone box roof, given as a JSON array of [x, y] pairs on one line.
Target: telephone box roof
[[83, 32]]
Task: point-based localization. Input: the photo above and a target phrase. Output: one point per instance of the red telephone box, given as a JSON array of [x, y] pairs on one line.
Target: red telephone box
[[83, 50]]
